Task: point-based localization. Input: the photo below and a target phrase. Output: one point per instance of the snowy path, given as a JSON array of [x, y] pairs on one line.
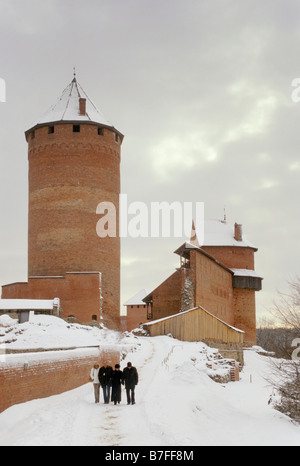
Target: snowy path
[[177, 404], [73, 418]]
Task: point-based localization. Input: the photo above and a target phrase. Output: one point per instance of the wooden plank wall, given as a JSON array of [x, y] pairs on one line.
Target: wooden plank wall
[[196, 325]]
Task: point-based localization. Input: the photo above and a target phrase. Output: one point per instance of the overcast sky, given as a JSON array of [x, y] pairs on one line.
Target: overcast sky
[[201, 89]]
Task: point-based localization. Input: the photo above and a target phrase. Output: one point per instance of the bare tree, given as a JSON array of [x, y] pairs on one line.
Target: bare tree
[[286, 372], [286, 309], [277, 340]]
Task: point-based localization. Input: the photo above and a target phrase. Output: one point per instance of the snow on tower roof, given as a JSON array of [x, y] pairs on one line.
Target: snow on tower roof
[[137, 300], [219, 233], [246, 273], [67, 109]]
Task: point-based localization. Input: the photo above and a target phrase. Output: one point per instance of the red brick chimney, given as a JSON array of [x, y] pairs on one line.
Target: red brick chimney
[[82, 106], [238, 232]]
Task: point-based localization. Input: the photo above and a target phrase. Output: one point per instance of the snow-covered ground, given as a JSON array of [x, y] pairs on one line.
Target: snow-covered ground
[[49, 332], [177, 405]]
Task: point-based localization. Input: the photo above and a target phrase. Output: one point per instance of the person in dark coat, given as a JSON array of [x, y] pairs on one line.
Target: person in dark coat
[[105, 378], [117, 381], [131, 379]]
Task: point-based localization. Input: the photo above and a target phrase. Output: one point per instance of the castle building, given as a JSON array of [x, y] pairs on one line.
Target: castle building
[[217, 275], [136, 310], [74, 157]]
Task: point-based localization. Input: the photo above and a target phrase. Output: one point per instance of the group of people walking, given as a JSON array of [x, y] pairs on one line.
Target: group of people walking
[[111, 382]]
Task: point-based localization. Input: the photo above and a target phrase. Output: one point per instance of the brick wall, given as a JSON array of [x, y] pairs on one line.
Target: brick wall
[[245, 314], [135, 316], [232, 257], [167, 297], [213, 287], [79, 293], [47, 374], [70, 173]]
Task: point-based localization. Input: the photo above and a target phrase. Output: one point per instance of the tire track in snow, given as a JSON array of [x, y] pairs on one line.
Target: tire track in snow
[[110, 434], [95, 424], [149, 391]]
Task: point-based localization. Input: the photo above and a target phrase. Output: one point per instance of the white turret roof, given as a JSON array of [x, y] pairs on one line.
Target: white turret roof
[[137, 300], [67, 108], [218, 233]]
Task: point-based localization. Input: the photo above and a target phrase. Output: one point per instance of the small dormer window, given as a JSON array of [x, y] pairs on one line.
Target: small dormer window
[[76, 128]]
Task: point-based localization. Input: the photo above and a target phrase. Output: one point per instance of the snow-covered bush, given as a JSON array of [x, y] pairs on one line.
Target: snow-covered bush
[[286, 398]]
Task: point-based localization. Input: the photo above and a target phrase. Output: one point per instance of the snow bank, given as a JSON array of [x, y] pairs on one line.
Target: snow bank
[[44, 332], [7, 321]]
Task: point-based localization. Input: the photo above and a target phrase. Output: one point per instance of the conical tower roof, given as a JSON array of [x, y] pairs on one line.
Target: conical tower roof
[[67, 110]]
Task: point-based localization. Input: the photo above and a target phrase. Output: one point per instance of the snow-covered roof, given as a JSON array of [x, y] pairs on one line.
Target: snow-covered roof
[[218, 233], [137, 300], [28, 304], [185, 248], [67, 108], [245, 273]]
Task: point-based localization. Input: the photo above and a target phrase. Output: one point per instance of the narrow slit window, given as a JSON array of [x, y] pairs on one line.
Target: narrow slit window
[[51, 129]]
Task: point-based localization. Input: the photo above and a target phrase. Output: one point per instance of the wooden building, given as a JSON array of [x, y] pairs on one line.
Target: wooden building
[[200, 325]]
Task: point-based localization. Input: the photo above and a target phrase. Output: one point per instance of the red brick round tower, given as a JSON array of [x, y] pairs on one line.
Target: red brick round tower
[[74, 164]]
